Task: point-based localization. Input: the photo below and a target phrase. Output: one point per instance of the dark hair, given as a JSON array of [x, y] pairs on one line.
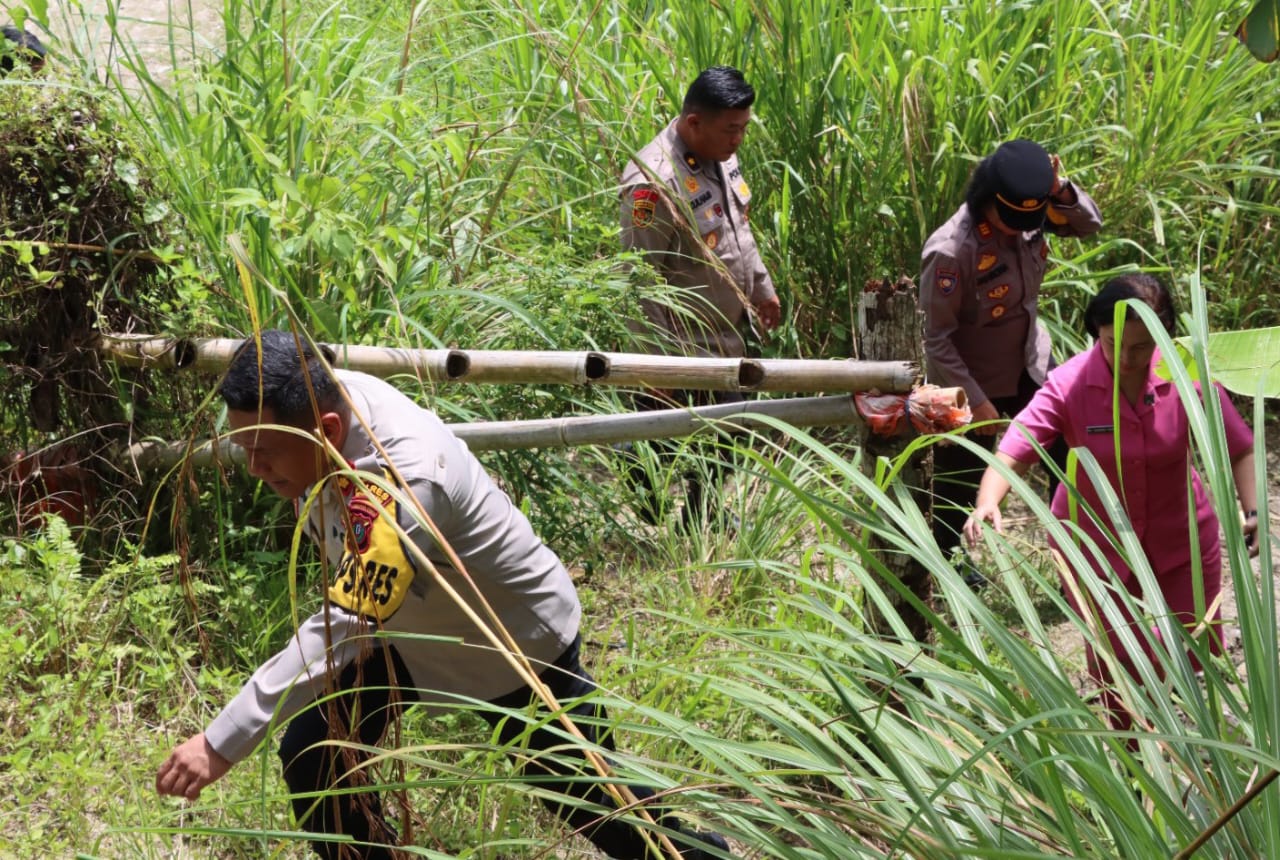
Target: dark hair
[[718, 88], [25, 46], [981, 190], [282, 386], [1148, 288]]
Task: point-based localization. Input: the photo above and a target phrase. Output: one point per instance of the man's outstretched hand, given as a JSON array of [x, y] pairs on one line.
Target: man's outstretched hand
[[191, 766]]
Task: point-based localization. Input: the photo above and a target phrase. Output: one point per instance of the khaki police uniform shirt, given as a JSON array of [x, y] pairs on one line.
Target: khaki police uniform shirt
[[979, 290], [691, 224], [379, 583]]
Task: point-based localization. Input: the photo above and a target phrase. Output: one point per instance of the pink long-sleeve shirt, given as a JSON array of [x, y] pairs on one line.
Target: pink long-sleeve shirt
[[1150, 478]]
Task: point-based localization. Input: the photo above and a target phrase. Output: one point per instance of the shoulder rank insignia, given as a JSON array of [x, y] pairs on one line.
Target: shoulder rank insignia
[[999, 292], [997, 312], [691, 183], [946, 282], [986, 261], [644, 201], [984, 229], [743, 190], [691, 160]]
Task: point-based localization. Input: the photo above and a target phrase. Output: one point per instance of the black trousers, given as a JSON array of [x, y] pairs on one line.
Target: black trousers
[[314, 767], [695, 489], [957, 472]]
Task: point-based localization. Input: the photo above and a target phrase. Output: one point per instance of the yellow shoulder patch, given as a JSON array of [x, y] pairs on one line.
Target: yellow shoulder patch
[[374, 574]]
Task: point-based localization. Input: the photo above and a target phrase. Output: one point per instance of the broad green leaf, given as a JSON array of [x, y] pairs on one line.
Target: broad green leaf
[[1260, 32], [38, 9], [1239, 359]]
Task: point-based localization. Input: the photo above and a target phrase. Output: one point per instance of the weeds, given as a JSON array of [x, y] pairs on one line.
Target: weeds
[[464, 191]]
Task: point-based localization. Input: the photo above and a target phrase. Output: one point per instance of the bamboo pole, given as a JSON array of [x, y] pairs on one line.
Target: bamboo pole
[[523, 366], [799, 374], [545, 367], [659, 424], [214, 354], [830, 411]]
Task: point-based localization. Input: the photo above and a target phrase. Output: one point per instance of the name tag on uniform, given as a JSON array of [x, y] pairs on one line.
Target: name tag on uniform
[[1100, 428]]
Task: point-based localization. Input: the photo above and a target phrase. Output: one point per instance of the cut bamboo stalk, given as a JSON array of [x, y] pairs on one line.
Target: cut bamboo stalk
[[522, 367], [634, 370], [640, 370], [800, 374], [830, 411], [214, 354]]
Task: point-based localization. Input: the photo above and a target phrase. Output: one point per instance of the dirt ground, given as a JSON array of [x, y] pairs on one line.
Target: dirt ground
[[144, 24]]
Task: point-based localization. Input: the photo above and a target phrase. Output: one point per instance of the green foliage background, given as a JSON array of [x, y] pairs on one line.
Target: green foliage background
[[445, 173]]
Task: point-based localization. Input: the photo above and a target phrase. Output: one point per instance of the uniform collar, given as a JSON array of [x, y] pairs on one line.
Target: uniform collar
[[987, 232], [681, 153], [1098, 375]]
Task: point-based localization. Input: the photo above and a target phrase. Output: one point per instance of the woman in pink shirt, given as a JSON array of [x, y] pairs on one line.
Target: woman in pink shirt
[[1076, 404]]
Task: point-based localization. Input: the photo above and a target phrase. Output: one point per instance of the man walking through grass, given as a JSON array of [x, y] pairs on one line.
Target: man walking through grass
[[684, 207], [423, 547]]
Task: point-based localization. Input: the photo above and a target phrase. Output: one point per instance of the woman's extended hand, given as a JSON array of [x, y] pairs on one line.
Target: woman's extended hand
[[982, 513]]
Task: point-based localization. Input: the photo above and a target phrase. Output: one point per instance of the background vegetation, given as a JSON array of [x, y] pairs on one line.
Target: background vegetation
[[445, 173]]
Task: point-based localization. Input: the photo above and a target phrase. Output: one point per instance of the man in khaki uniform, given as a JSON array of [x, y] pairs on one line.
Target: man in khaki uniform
[[980, 289], [684, 205]]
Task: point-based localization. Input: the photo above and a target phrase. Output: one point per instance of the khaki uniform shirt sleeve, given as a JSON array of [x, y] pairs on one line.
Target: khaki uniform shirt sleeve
[[1081, 219], [941, 283], [649, 229], [286, 683], [761, 284]]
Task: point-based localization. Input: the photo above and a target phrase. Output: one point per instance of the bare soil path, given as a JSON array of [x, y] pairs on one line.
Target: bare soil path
[[163, 33]]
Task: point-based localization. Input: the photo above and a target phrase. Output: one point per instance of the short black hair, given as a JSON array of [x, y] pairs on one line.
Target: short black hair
[[1147, 288], [25, 45], [718, 88], [287, 380]]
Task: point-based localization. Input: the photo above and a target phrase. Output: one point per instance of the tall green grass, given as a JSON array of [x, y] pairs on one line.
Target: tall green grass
[[446, 172], [367, 156], [754, 690]]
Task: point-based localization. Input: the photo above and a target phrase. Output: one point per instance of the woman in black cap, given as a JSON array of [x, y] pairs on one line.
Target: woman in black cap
[[979, 287]]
